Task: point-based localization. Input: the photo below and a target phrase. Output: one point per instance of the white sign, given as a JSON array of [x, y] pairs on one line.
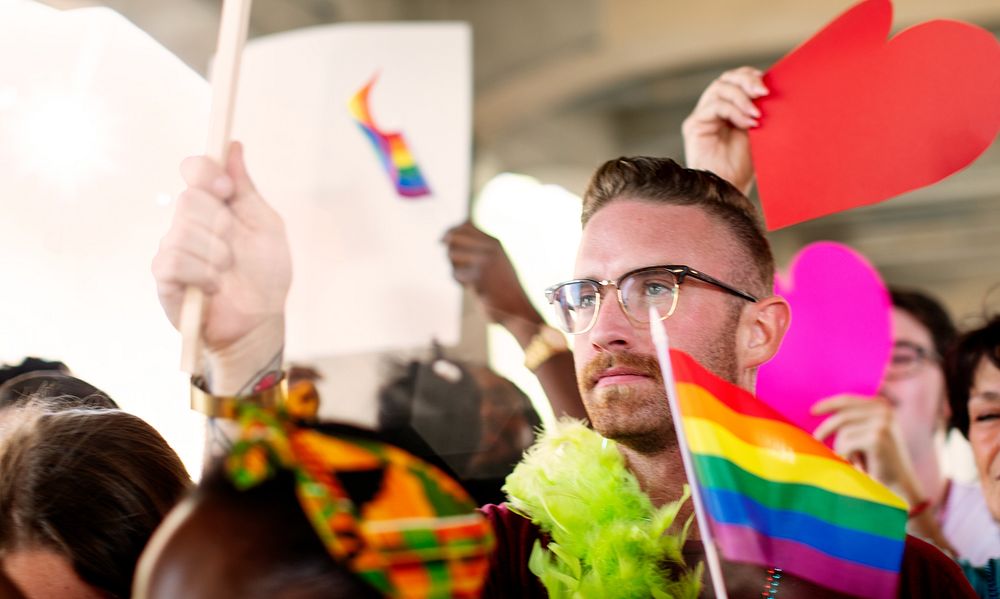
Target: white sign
[[367, 186], [95, 117]]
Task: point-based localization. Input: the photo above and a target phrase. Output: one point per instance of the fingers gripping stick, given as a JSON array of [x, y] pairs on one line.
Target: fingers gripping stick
[[225, 77]]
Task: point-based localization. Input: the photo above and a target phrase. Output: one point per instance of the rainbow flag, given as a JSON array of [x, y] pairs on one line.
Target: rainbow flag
[[392, 150], [777, 497]]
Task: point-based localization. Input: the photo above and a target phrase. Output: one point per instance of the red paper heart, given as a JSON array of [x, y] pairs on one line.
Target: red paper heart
[[853, 119]]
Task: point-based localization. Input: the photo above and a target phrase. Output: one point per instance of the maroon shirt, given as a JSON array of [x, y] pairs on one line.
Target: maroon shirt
[[925, 572]]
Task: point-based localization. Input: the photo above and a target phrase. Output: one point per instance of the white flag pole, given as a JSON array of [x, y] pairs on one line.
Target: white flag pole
[[225, 76], [662, 344]]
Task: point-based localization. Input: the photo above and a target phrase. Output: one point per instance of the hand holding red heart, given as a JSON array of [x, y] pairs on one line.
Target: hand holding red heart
[[850, 118], [854, 117], [715, 133]]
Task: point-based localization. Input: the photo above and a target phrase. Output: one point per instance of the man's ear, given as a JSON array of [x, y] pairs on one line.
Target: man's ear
[[762, 327]]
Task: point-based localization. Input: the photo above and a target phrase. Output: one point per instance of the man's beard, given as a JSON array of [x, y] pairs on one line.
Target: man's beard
[[640, 417], [635, 417]]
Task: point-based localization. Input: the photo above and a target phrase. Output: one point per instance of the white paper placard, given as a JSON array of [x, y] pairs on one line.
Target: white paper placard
[[95, 117], [370, 271]]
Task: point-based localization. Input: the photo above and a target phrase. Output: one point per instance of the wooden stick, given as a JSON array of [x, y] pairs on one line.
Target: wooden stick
[[225, 78], [662, 344]]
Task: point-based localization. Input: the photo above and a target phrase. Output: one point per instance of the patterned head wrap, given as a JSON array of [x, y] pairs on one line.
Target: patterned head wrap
[[399, 523]]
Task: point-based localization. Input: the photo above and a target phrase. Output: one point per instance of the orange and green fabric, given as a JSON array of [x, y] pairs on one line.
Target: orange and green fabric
[[413, 533]]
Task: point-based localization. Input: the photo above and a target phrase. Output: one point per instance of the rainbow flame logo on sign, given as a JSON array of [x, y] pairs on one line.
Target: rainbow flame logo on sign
[[391, 148]]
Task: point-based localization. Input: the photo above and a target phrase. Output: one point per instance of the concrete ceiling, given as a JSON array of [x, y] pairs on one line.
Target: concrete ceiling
[[562, 85]]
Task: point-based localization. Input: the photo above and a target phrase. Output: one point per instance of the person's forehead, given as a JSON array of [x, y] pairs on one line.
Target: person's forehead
[[628, 234], [905, 327], [986, 377], [47, 573]]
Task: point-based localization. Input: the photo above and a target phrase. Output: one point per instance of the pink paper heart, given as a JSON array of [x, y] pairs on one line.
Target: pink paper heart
[[840, 336]]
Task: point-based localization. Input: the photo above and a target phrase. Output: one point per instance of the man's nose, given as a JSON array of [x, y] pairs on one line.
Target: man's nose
[[613, 331]]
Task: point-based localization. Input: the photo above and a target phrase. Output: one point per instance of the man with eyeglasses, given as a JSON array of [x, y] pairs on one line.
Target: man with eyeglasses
[[655, 234]]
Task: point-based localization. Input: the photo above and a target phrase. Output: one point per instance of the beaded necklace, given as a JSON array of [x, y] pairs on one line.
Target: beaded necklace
[[771, 586], [991, 580]]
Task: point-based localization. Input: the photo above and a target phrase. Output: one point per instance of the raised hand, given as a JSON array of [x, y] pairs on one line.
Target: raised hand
[[479, 261], [715, 133], [227, 241]]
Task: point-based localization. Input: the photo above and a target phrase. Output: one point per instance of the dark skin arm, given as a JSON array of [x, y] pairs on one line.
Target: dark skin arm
[[480, 263]]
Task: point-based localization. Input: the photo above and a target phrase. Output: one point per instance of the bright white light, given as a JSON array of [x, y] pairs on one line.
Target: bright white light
[[8, 97], [539, 227], [62, 138], [164, 199]]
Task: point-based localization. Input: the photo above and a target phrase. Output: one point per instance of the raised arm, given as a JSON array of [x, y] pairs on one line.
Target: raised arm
[[715, 133], [226, 240], [480, 263]]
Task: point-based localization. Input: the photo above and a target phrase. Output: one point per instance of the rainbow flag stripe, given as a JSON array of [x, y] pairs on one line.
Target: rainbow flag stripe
[[392, 150], [777, 497]]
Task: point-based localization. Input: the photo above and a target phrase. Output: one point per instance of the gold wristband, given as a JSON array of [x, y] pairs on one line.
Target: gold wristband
[[546, 343], [225, 406]]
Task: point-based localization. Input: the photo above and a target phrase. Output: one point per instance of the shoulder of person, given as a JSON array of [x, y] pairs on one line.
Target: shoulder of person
[[980, 577], [509, 575], [927, 572]]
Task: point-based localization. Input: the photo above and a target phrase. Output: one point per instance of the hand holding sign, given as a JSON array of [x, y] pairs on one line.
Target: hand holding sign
[[225, 72], [229, 244], [853, 119]]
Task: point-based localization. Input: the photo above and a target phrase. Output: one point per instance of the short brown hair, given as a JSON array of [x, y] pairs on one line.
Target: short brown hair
[[90, 484], [661, 180]]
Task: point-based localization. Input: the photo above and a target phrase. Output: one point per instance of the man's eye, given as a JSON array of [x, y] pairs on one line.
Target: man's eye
[[577, 299], [986, 417], [655, 289]]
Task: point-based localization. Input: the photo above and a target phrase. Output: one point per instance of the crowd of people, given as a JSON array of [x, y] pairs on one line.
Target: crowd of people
[[94, 503]]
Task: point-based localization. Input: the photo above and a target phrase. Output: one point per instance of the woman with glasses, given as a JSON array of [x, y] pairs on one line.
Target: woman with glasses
[[893, 436]]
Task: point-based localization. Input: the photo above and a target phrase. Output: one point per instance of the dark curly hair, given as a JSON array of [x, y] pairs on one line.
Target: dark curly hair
[[961, 364]]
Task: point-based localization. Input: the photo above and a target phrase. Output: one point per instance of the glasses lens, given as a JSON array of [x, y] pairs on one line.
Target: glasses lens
[[905, 360], [655, 288], [575, 305]]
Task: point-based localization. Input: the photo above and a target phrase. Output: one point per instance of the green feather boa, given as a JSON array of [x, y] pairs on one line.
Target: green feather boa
[[607, 539]]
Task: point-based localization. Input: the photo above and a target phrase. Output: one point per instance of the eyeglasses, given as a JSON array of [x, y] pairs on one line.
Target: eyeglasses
[[907, 358], [577, 302]]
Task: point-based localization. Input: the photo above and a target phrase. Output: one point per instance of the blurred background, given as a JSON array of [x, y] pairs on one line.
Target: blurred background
[[562, 85]]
